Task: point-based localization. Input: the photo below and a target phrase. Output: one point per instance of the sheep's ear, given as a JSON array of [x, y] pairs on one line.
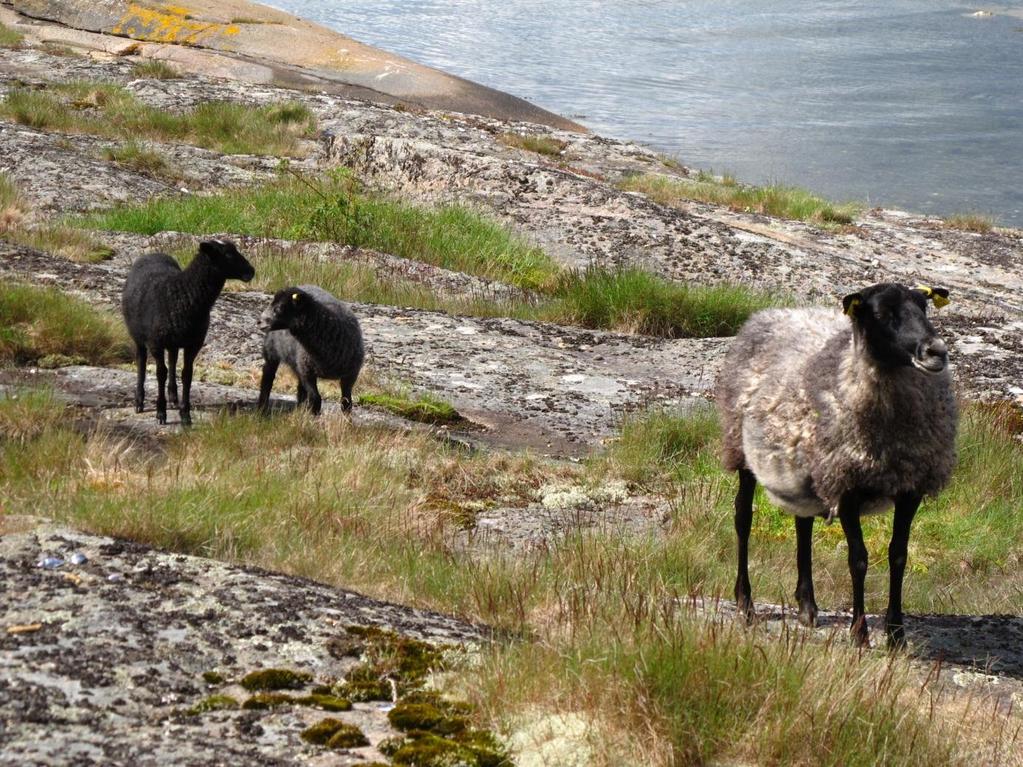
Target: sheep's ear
[[939, 296], [211, 247], [851, 303]]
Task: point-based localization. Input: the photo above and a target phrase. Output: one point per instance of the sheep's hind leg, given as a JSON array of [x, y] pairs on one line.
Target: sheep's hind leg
[[849, 515], [161, 387], [140, 381], [743, 524], [185, 411], [315, 400], [301, 395], [804, 563], [905, 510], [266, 385], [172, 380]]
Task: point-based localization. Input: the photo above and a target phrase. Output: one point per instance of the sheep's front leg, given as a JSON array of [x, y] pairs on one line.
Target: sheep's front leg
[[172, 380], [161, 387], [313, 392], [743, 525], [346, 396], [804, 563], [186, 386], [905, 509], [140, 381], [849, 515], [266, 385]]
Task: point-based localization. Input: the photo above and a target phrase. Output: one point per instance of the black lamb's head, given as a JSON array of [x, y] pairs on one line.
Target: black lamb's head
[[891, 320], [225, 257], [286, 309]]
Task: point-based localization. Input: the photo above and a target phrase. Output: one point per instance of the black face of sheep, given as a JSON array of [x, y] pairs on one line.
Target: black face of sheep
[[891, 320], [839, 416], [286, 307], [225, 258]]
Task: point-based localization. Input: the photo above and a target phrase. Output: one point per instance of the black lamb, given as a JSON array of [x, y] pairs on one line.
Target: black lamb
[[840, 416], [317, 336], [167, 308]]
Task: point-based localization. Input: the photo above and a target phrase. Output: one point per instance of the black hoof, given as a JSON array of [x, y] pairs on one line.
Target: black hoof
[[859, 634], [138, 408], [186, 419], [896, 637], [172, 402], [808, 615], [161, 418], [744, 608]]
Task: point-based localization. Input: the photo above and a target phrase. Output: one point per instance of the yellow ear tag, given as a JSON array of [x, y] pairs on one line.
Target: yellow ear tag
[[852, 306], [926, 290], [939, 300], [294, 296]]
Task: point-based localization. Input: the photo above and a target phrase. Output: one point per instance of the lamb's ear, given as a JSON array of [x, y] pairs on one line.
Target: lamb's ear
[[211, 247], [851, 303]]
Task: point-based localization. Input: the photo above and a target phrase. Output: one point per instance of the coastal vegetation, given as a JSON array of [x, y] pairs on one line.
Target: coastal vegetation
[[545, 145], [111, 111], [457, 238], [772, 200], [970, 222], [599, 624], [154, 69]]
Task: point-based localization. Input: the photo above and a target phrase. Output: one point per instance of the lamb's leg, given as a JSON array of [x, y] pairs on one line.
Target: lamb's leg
[[186, 386], [266, 385], [346, 396], [301, 394], [161, 387], [743, 524], [804, 563], [849, 515], [172, 381], [905, 510], [140, 381], [308, 381]]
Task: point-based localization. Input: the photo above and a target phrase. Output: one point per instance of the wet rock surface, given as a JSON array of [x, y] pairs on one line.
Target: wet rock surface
[[101, 661]]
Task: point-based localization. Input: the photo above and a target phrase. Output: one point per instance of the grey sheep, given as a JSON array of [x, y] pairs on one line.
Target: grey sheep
[[167, 308], [315, 335], [840, 416]]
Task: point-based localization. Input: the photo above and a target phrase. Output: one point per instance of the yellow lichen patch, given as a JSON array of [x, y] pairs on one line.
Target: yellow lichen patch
[[169, 24]]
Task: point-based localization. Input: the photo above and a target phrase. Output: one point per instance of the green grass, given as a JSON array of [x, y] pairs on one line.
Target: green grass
[[73, 244], [545, 145], [970, 222], [636, 301], [107, 110], [44, 325], [425, 408], [601, 620], [773, 200], [137, 156], [451, 237], [9, 38], [153, 69]]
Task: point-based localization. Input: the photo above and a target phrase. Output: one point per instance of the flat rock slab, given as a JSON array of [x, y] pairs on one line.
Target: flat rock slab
[[100, 661], [555, 389]]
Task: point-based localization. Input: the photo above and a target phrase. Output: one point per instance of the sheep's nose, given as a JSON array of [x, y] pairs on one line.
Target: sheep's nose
[[934, 348]]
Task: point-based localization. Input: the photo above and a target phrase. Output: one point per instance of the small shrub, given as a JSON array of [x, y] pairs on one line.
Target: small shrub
[[424, 408], [970, 222], [136, 156], [545, 145]]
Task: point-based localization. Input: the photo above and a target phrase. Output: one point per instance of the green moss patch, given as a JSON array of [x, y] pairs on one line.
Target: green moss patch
[[264, 700], [334, 733], [213, 677], [428, 750], [438, 732], [213, 703], [276, 679], [424, 408]]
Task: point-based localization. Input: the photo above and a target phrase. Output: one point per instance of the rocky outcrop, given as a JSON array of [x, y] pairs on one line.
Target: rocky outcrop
[[257, 44]]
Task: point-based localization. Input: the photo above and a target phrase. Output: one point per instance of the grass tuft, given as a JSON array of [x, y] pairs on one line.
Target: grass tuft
[[545, 145], [774, 200], [137, 156], [10, 38], [40, 323], [154, 69], [103, 109], [970, 222]]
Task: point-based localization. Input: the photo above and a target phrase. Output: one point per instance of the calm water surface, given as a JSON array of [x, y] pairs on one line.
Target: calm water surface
[[906, 103]]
